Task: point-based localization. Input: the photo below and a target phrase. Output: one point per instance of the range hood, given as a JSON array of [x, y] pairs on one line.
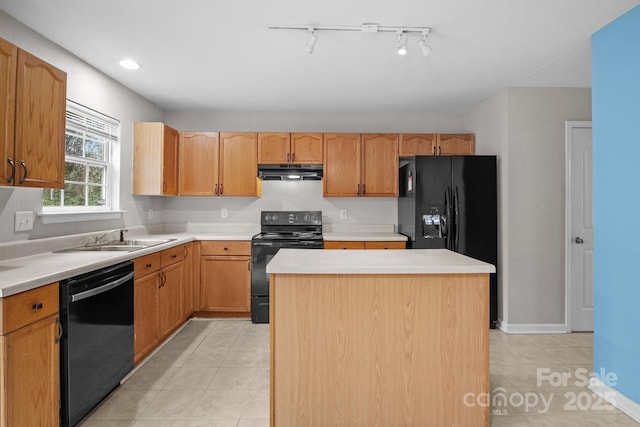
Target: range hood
[[289, 172]]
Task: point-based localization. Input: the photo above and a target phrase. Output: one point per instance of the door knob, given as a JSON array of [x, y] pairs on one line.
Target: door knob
[[579, 240]]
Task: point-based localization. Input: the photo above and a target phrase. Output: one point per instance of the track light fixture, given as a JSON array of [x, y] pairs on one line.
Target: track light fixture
[[311, 42], [402, 43], [401, 34], [422, 43]]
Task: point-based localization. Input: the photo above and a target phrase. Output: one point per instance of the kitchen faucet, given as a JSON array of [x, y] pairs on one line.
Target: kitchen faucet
[[101, 239]]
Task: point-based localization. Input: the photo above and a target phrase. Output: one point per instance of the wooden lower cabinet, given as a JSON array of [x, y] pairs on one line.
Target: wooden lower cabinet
[[158, 298], [225, 276], [364, 245], [30, 359], [188, 292]]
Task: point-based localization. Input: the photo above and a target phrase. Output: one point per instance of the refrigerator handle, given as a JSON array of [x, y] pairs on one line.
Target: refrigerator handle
[[447, 217], [456, 219]]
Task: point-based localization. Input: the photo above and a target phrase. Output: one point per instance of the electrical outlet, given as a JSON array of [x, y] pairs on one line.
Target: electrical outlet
[[344, 214], [224, 213], [24, 221], [150, 214]]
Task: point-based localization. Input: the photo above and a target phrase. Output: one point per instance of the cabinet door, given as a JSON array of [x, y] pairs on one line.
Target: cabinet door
[[379, 165], [456, 144], [170, 299], [40, 123], [238, 164], [170, 161], [343, 245], [341, 165], [8, 58], [225, 283], [30, 364], [145, 315], [306, 148], [417, 144], [198, 163], [187, 282], [274, 148]]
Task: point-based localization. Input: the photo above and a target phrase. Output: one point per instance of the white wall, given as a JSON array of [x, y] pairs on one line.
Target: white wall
[[93, 89], [532, 170]]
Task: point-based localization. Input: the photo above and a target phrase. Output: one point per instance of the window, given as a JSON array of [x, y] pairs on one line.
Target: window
[[90, 162]]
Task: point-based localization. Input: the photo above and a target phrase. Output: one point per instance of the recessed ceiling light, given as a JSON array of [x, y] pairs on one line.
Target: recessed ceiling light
[[129, 64]]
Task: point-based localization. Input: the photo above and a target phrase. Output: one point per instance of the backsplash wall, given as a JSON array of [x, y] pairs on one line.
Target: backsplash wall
[[279, 195]]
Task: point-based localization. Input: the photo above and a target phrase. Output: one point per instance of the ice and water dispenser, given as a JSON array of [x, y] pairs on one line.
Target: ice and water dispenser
[[433, 224]]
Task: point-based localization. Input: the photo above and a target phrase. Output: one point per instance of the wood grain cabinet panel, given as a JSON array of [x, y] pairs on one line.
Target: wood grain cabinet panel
[[145, 315], [225, 283], [306, 148], [360, 165], [170, 299], [336, 244], [456, 144], [417, 144], [155, 159], [274, 148], [199, 165], [239, 164], [30, 358], [33, 94]]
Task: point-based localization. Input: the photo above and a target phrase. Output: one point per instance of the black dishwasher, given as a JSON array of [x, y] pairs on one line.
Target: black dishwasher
[[96, 352]]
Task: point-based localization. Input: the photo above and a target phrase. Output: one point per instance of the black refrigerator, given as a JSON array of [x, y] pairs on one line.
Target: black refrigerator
[[451, 202]]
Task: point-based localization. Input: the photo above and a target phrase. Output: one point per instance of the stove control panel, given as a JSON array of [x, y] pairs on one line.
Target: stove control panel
[[291, 218]]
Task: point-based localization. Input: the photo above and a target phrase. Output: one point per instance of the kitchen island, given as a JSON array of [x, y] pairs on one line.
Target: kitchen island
[[379, 338]]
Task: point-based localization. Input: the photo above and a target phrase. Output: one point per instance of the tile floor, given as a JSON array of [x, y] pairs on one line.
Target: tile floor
[[216, 373]]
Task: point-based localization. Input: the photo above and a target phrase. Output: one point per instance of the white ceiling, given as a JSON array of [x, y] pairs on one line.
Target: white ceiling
[[219, 55]]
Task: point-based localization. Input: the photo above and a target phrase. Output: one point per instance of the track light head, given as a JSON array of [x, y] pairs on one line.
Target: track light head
[[422, 43], [402, 43], [311, 41]]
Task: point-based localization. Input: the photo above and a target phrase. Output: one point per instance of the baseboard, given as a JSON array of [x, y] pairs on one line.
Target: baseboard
[[532, 328], [617, 399]]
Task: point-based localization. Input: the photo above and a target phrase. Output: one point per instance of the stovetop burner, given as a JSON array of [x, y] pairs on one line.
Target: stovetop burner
[[288, 236]]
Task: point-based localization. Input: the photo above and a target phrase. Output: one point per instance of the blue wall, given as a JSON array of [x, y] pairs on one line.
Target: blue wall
[[616, 200]]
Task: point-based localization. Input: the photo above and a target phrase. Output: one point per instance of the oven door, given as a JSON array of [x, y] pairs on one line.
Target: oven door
[[261, 253]]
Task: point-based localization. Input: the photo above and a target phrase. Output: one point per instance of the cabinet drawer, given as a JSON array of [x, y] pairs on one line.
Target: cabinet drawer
[[27, 307], [146, 264], [171, 256], [343, 245], [225, 247], [385, 245]]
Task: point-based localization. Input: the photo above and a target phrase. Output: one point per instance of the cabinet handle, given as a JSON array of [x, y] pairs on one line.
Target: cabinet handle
[[249, 265], [37, 306], [226, 249], [13, 171], [148, 265], [358, 189], [439, 151], [25, 172], [174, 256], [293, 157], [215, 190], [288, 157], [59, 325], [363, 189], [186, 252], [221, 189], [163, 280], [164, 187]]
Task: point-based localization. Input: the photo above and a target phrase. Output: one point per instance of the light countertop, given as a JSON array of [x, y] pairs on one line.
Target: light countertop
[[414, 261], [27, 272]]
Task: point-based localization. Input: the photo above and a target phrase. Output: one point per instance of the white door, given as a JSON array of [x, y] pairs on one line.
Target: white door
[[580, 235]]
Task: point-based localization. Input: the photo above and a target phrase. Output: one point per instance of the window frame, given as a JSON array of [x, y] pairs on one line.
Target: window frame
[[88, 123]]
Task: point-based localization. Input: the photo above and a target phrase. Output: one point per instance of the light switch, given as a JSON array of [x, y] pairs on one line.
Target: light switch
[[24, 221]]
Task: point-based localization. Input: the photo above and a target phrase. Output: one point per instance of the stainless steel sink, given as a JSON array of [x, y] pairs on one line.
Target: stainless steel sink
[[128, 245]]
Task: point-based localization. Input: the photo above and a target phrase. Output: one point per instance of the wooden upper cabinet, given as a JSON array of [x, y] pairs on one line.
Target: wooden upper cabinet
[[282, 148], [417, 144], [33, 138], [306, 148], [274, 148], [431, 144], [379, 165], [198, 163], [238, 164], [155, 159], [342, 175], [452, 144], [8, 60]]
